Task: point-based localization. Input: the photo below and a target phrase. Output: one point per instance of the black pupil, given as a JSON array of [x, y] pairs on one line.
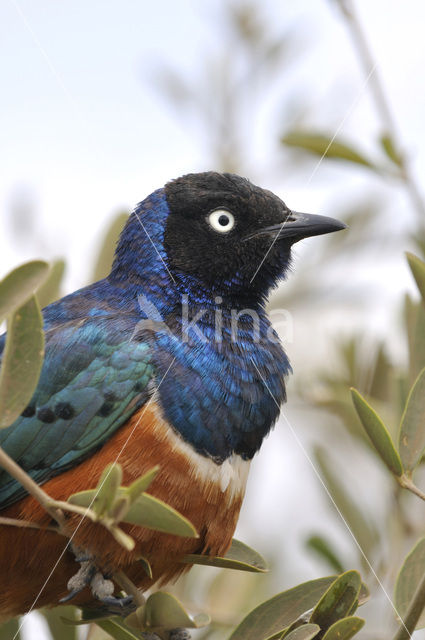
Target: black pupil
[[223, 220]]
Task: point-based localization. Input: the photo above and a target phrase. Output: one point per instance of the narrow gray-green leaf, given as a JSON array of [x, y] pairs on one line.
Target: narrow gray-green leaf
[[321, 546], [411, 573], [21, 362], [414, 316], [49, 291], [378, 433], [148, 512], [305, 632], [141, 484], [107, 488], [344, 629], [417, 267], [20, 284], [164, 611], [117, 629], [388, 146], [281, 611], [338, 600], [411, 441], [146, 566], [153, 513], [239, 556], [323, 145]]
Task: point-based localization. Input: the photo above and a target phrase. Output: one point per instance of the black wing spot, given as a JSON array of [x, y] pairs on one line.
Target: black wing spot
[[45, 414], [106, 409], [28, 412], [64, 410]]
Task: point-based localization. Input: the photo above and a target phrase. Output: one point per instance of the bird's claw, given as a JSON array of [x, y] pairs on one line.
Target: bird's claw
[[118, 606], [101, 587]]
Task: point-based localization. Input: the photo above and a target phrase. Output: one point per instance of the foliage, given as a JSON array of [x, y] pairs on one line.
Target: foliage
[[383, 417]]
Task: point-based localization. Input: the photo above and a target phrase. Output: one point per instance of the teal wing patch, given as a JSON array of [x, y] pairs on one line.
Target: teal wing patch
[[94, 377]]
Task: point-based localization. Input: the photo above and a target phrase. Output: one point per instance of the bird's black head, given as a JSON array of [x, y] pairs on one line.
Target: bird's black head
[[233, 237]]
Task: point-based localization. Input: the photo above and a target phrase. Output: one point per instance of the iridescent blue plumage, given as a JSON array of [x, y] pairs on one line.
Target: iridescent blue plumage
[[104, 359]]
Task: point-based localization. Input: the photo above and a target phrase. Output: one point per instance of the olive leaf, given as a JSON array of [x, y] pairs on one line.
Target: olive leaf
[[22, 361], [162, 610], [344, 629], [417, 267], [239, 556], [305, 632], [411, 573], [278, 613], [338, 600], [411, 441], [20, 284], [324, 145], [378, 433]]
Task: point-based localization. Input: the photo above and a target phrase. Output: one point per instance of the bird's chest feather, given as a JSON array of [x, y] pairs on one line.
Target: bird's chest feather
[[221, 396]]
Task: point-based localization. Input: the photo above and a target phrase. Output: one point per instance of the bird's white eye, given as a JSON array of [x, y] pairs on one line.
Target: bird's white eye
[[221, 220]]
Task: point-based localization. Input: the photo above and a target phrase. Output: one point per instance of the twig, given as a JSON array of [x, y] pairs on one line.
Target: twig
[[405, 482], [381, 102], [27, 524], [414, 611], [32, 487], [129, 587]]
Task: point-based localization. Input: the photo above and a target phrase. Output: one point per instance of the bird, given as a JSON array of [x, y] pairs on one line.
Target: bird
[[171, 360]]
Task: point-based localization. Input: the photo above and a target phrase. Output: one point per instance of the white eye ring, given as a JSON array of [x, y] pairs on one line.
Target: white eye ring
[[221, 220]]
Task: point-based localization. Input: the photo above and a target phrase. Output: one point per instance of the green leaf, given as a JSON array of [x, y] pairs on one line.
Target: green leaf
[[20, 284], [305, 632], [88, 616], [49, 291], [239, 556], [163, 611], [107, 488], [146, 511], [54, 619], [119, 509], [412, 433], [117, 629], [276, 614], [414, 315], [323, 145], [338, 600], [390, 150], [10, 629], [22, 361], [142, 484], [344, 629], [106, 254], [417, 267], [364, 594], [146, 566], [362, 528], [378, 433], [321, 546], [411, 573], [153, 513]]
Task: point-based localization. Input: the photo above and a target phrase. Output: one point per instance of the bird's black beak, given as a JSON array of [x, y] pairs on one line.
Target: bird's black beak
[[298, 226]]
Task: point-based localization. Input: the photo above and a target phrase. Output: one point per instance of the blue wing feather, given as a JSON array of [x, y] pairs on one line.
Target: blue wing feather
[[95, 376]]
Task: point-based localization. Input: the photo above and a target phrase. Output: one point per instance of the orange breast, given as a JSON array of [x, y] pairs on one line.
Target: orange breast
[[34, 565]]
